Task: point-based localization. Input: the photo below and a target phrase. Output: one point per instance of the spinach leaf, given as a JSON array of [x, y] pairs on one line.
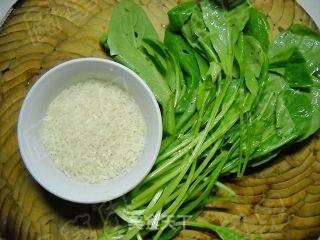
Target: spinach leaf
[[308, 45], [258, 27], [128, 26], [296, 73], [289, 115], [315, 123], [304, 31], [180, 14], [266, 133], [284, 123], [198, 36], [189, 65], [293, 116], [157, 53], [170, 69], [203, 65], [165, 61], [299, 105], [292, 66], [224, 27], [286, 52], [249, 55]]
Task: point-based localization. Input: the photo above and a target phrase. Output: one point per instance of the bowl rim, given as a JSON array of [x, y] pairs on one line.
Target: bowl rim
[[43, 78]]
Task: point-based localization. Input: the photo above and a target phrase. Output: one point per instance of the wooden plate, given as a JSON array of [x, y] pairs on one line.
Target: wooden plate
[[281, 201]]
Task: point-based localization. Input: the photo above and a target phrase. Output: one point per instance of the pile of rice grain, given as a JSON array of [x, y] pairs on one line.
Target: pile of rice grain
[[94, 131]]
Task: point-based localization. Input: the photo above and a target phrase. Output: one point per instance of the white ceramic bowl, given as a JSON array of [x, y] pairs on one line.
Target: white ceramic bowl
[[34, 109]]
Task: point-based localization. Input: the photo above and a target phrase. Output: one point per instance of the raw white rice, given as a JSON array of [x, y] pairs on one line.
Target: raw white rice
[[94, 131]]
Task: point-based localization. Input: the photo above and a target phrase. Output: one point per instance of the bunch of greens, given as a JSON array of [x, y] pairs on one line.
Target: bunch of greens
[[229, 99]]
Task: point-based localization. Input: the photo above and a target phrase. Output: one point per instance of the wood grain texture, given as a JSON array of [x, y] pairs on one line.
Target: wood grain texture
[[281, 201]]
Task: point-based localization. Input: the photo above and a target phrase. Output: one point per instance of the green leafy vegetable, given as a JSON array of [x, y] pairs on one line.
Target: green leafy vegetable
[[224, 27], [129, 25], [307, 44], [229, 98], [180, 14], [258, 27], [189, 65], [298, 49]]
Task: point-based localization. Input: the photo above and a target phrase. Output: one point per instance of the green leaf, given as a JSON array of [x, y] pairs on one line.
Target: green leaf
[[224, 27], [308, 45], [287, 49], [300, 108], [198, 36], [296, 72], [284, 124], [304, 31], [169, 67], [266, 133], [214, 72], [180, 14], [258, 27], [290, 116], [315, 123], [156, 53], [203, 65], [293, 67], [186, 57], [165, 61], [128, 26], [249, 55], [230, 96]]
